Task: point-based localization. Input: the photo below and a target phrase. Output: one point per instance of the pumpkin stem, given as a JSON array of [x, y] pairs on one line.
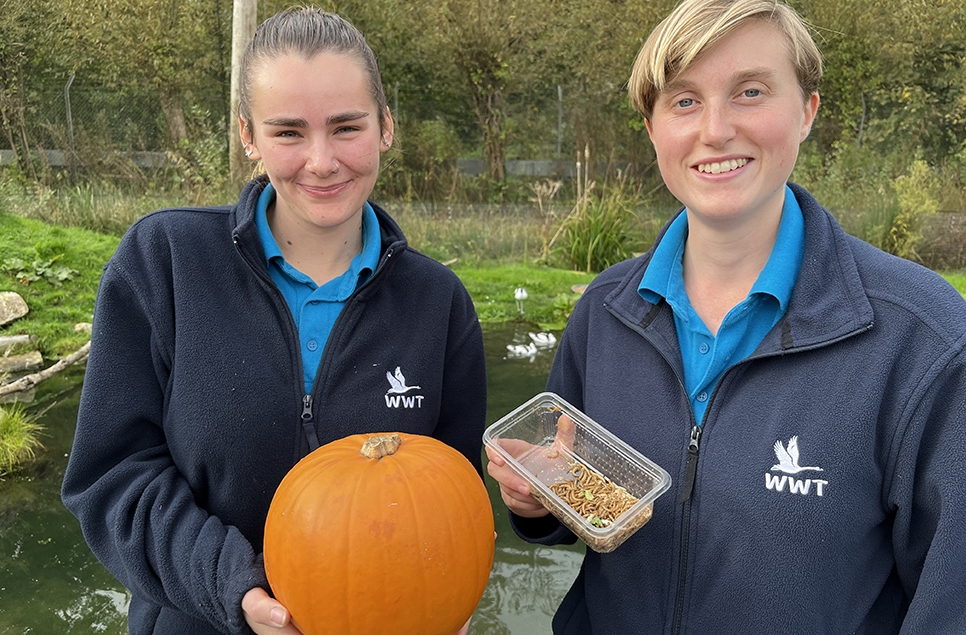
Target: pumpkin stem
[[381, 445]]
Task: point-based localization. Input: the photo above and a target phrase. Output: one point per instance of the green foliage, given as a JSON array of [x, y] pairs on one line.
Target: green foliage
[[952, 181], [885, 200], [422, 163], [168, 48], [915, 192], [562, 306], [19, 440], [464, 78], [200, 160], [597, 232], [38, 269]]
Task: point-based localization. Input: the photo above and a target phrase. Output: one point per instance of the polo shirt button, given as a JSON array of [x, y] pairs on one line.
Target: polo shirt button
[[704, 348], [702, 396], [312, 345]]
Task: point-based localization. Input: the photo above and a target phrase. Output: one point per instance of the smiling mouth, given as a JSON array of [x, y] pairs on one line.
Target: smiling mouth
[[326, 190], [724, 166]]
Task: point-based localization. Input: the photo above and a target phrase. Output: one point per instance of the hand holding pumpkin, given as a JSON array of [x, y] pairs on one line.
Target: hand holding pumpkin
[[513, 489], [266, 615]]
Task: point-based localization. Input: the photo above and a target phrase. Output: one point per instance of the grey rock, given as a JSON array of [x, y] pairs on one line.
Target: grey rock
[[12, 307]]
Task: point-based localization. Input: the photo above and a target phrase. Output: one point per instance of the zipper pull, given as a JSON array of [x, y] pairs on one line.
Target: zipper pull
[[692, 466], [308, 426]]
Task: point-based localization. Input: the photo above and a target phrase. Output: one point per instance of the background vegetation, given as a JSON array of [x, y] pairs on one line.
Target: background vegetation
[[498, 80], [474, 79]]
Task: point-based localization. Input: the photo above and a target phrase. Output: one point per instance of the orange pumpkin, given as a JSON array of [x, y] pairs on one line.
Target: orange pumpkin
[[376, 534]]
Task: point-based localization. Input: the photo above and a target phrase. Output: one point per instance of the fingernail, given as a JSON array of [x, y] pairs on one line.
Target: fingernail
[[278, 616]]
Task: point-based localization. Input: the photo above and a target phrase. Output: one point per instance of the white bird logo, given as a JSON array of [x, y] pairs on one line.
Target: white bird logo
[[788, 458], [398, 383]]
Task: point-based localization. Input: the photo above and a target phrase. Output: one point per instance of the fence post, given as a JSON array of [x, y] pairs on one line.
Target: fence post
[[244, 17], [559, 118], [72, 154]]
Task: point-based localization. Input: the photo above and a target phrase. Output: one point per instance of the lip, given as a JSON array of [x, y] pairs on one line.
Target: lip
[[325, 191], [721, 166]]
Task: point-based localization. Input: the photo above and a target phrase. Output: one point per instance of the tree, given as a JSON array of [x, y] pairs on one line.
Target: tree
[[594, 45], [27, 33], [894, 74], [166, 46], [490, 44]]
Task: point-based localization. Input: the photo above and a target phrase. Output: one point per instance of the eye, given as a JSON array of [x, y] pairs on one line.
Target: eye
[[687, 102], [286, 133], [751, 92]]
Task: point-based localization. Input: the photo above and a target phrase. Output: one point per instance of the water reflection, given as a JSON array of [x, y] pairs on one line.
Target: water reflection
[[50, 582]]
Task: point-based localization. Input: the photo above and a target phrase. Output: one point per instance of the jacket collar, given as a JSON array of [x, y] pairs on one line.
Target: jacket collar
[[828, 301]]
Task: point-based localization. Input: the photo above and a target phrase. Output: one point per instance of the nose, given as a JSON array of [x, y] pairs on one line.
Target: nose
[[717, 124], [321, 158]]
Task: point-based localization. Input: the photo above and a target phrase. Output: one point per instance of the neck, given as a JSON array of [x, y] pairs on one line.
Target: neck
[[721, 264], [322, 253]]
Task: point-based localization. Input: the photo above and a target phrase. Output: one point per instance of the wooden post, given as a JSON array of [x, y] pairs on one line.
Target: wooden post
[[244, 17]]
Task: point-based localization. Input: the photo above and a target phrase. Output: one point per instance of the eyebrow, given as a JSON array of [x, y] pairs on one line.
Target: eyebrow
[[298, 122], [346, 116], [763, 73], [286, 122]]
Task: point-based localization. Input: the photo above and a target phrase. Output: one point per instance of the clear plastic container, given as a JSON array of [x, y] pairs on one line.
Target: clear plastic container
[[546, 449]]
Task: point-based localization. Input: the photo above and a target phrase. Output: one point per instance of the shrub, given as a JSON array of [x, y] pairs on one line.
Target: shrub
[[916, 195], [597, 232], [18, 437]]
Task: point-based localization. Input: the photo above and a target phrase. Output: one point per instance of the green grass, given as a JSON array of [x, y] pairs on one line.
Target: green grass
[[18, 437], [550, 292], [26, 246], [957, 279]]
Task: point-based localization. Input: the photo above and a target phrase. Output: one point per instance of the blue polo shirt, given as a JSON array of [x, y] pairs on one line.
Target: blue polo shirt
[[316, 308], [706, 356]]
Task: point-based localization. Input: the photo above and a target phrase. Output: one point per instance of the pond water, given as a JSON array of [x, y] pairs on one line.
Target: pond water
[[50, 583]]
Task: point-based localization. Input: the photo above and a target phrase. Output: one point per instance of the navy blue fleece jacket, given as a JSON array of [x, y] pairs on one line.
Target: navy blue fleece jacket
[[193, 405], [824, 492]]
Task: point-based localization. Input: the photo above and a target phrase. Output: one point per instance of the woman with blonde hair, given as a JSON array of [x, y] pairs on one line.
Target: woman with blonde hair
[[805, 391]]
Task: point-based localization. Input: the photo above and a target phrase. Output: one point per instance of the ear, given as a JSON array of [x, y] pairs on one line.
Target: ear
[[388, 128], [247, 139], [650, 131], [811, 109]]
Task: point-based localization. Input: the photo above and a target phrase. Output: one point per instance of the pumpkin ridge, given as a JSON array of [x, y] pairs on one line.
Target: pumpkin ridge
[[416, 520], [345, 554], [469, 504]]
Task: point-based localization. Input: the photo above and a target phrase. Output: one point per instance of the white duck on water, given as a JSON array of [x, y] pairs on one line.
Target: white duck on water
[[522, 350], [543, 340]]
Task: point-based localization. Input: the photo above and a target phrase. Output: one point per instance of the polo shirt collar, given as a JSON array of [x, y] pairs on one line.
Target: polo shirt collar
[[664, 275], [362, 265]]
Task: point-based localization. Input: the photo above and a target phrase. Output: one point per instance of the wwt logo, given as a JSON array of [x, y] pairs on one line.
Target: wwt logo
[[396, 396], [788, 464]]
